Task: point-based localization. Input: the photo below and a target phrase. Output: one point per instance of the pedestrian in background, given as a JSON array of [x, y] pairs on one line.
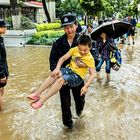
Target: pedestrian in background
[[104, 44], [95, 22], [131, 31], [94, 50], [3, 62]]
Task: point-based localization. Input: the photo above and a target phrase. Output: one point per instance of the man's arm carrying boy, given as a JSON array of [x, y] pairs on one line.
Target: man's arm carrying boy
[[56, 72]]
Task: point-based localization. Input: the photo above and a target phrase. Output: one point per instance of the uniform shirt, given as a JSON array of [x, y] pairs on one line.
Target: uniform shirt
[[3, 62], [87, 59], [59, 48]]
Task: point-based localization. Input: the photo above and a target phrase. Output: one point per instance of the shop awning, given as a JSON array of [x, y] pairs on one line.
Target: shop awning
[[33, 4]]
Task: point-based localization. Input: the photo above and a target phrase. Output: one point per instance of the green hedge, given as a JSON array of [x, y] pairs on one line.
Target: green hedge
[[45, 37], [47, 26], [138, 25], [49, 33], [51, 26], [41, 41]]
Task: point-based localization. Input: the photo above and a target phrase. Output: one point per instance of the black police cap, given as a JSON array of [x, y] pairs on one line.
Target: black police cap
[[68, 19], [2, 23]]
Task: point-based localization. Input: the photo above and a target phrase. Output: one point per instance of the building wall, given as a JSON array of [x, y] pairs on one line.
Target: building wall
[[4, 2], [40, 14], [51, 9]]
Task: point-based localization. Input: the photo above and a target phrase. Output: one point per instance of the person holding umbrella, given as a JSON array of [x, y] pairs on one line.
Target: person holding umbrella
[[104, 43], [104, 35]]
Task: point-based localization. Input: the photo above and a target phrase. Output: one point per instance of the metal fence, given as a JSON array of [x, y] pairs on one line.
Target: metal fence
[[7, 12]]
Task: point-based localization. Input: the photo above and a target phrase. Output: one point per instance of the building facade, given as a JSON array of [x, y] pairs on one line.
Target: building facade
[[31, 9]]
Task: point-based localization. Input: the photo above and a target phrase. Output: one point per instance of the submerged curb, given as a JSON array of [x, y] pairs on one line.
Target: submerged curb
[[48, 46]]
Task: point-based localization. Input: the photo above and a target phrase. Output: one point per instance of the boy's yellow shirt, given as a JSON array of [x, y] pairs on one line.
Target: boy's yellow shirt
[[87, 59]]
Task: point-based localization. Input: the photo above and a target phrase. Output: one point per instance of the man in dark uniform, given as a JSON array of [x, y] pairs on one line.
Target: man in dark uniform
[[59, 48], [3, 62]]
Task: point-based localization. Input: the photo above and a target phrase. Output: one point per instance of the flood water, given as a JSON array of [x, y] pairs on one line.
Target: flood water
[[112, 110]]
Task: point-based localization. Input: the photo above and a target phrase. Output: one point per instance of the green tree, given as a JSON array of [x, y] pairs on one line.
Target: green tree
[[58, 8], [115, 6], [92, 7], [72, 6], [133, 8], [108, 9], [118, 5]]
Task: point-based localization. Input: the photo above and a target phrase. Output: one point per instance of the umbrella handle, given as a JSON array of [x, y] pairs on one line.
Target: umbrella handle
[[113, 27]]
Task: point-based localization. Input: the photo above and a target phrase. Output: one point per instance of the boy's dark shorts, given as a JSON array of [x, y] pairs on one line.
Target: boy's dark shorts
[[131, 32], [71, 78]]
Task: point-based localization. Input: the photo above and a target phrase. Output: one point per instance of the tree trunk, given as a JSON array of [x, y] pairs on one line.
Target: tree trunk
[[46, 11]]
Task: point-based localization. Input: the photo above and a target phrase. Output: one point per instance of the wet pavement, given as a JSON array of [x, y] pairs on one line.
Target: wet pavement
[[112, 110]]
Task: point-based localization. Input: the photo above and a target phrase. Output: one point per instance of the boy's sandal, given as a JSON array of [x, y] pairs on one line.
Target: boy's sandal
[[33, 97], [36, 105]]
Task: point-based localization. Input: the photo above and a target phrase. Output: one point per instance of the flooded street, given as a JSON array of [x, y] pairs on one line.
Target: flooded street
[[112, 110]]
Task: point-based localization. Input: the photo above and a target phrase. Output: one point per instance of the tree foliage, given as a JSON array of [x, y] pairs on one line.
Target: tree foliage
[[64, 7], [96, 7], [92, 7], [133, 8], [110, 7]]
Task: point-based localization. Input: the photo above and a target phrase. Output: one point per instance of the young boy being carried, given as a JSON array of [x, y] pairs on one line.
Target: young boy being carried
[[71, 75]]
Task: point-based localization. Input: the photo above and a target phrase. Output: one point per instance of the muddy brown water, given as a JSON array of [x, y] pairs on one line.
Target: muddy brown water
[[112, 110]]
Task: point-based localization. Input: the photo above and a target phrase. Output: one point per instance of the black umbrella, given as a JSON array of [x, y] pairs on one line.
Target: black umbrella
[[113, 29]]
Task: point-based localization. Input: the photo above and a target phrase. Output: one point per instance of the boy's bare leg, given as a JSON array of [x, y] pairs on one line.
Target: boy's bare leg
[[56, 86], [1, 94], [46, 84]]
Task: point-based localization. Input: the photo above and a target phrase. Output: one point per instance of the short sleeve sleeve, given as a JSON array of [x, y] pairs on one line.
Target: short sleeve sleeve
[[71, 51], [90, 63]]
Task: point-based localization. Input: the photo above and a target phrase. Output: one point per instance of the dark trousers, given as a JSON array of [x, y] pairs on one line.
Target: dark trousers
[[66, 102]]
